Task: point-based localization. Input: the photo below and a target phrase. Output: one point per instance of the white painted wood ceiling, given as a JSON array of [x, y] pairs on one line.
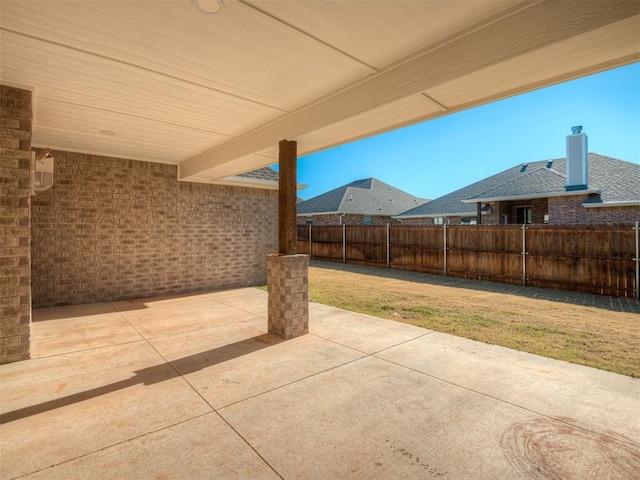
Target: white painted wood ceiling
[[159, 81]]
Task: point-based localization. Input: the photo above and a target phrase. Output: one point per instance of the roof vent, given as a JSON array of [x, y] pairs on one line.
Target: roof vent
[[550, 164], [524, 167], [577, 171]]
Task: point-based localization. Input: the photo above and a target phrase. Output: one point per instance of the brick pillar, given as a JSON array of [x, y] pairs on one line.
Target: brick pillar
[[288, 286], [15, 268]]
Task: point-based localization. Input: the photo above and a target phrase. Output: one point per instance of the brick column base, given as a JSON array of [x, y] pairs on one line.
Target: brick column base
[[288, 287]]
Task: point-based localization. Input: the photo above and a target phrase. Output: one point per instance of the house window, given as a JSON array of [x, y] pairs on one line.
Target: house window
[[438, 220], [367, 220], [523, 215]]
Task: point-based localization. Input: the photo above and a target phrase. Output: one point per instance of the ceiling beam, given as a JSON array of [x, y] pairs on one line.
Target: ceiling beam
[[515, 32]]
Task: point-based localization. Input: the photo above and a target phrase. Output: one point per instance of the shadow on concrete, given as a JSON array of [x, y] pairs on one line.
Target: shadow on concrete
[[615, 304], [153, 375]]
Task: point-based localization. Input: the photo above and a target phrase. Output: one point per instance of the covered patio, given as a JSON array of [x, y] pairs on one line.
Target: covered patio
[[154, 114], [192, 386], [132, 131]]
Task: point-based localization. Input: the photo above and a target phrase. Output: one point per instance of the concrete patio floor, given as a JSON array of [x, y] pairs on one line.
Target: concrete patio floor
[[192, 387]]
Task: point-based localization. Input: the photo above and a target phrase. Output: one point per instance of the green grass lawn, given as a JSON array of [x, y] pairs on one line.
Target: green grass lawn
[[580, 334]]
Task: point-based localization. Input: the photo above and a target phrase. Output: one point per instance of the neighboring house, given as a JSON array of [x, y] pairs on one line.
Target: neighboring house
[[363, 202], [589, 189]]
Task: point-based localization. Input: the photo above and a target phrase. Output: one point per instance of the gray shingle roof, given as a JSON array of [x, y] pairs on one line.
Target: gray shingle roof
[[365, 197], [265, 173], [617, 180], [536, 179]]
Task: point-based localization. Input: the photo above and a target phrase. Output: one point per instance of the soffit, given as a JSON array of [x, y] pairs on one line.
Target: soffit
[[214, 94], [379, 33]]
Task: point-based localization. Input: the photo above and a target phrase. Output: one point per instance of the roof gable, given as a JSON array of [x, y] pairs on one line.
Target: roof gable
[[534, 180], [451, 203], [616, 180], [367, 196]]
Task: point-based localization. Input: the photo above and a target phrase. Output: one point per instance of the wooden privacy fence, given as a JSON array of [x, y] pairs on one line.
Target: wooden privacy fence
[[601, 259]]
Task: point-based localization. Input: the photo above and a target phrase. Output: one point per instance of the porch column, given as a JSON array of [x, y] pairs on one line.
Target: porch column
[[479, 213], [287, 272], [15, 235], [287, 186]]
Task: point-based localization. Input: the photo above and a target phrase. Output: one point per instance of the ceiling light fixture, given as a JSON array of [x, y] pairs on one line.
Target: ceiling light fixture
[[209, 7]]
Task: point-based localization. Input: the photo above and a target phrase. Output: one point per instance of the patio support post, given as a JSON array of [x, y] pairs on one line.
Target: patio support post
[[287, 198], [479, 213], [287, 272]]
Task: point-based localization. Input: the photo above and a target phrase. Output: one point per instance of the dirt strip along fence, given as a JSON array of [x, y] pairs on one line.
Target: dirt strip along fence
[[600, 259]]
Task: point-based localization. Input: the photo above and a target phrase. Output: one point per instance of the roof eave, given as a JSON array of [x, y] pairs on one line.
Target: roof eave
[[236, 182], [311, 214], [376, 214], [240, 181], [586, 191], [434, 215], [627, 203]]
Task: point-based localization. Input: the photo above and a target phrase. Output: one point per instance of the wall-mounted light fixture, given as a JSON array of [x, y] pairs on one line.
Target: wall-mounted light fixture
[[41, 171]]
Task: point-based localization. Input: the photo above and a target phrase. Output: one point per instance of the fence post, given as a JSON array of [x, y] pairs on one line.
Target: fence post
[[445, 249], [524, 255], [344, 243], [388, 259], [637, 262], [310, 244]]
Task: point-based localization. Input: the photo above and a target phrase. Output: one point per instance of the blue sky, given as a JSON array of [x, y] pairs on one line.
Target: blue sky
[[439, 156]]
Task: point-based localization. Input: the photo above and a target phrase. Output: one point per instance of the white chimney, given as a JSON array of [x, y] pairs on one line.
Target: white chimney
[[577, 164]]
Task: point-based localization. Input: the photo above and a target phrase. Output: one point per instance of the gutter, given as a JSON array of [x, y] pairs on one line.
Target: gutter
[[316, 213], [436, 215], [376, 214], [628, 203], [586, 191]]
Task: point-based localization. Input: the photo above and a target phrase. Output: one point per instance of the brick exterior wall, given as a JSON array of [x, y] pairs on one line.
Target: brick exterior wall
[[539, 207], [113, 228], [567, 210], [348, 219], [562, 210], [15, 168], [288, 287], [429, 220]]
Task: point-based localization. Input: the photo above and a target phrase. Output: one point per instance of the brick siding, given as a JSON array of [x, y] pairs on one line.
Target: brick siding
[[113, 228], [447, 220], [562, 210], [15, 167], [567, 210], [288, 286]]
